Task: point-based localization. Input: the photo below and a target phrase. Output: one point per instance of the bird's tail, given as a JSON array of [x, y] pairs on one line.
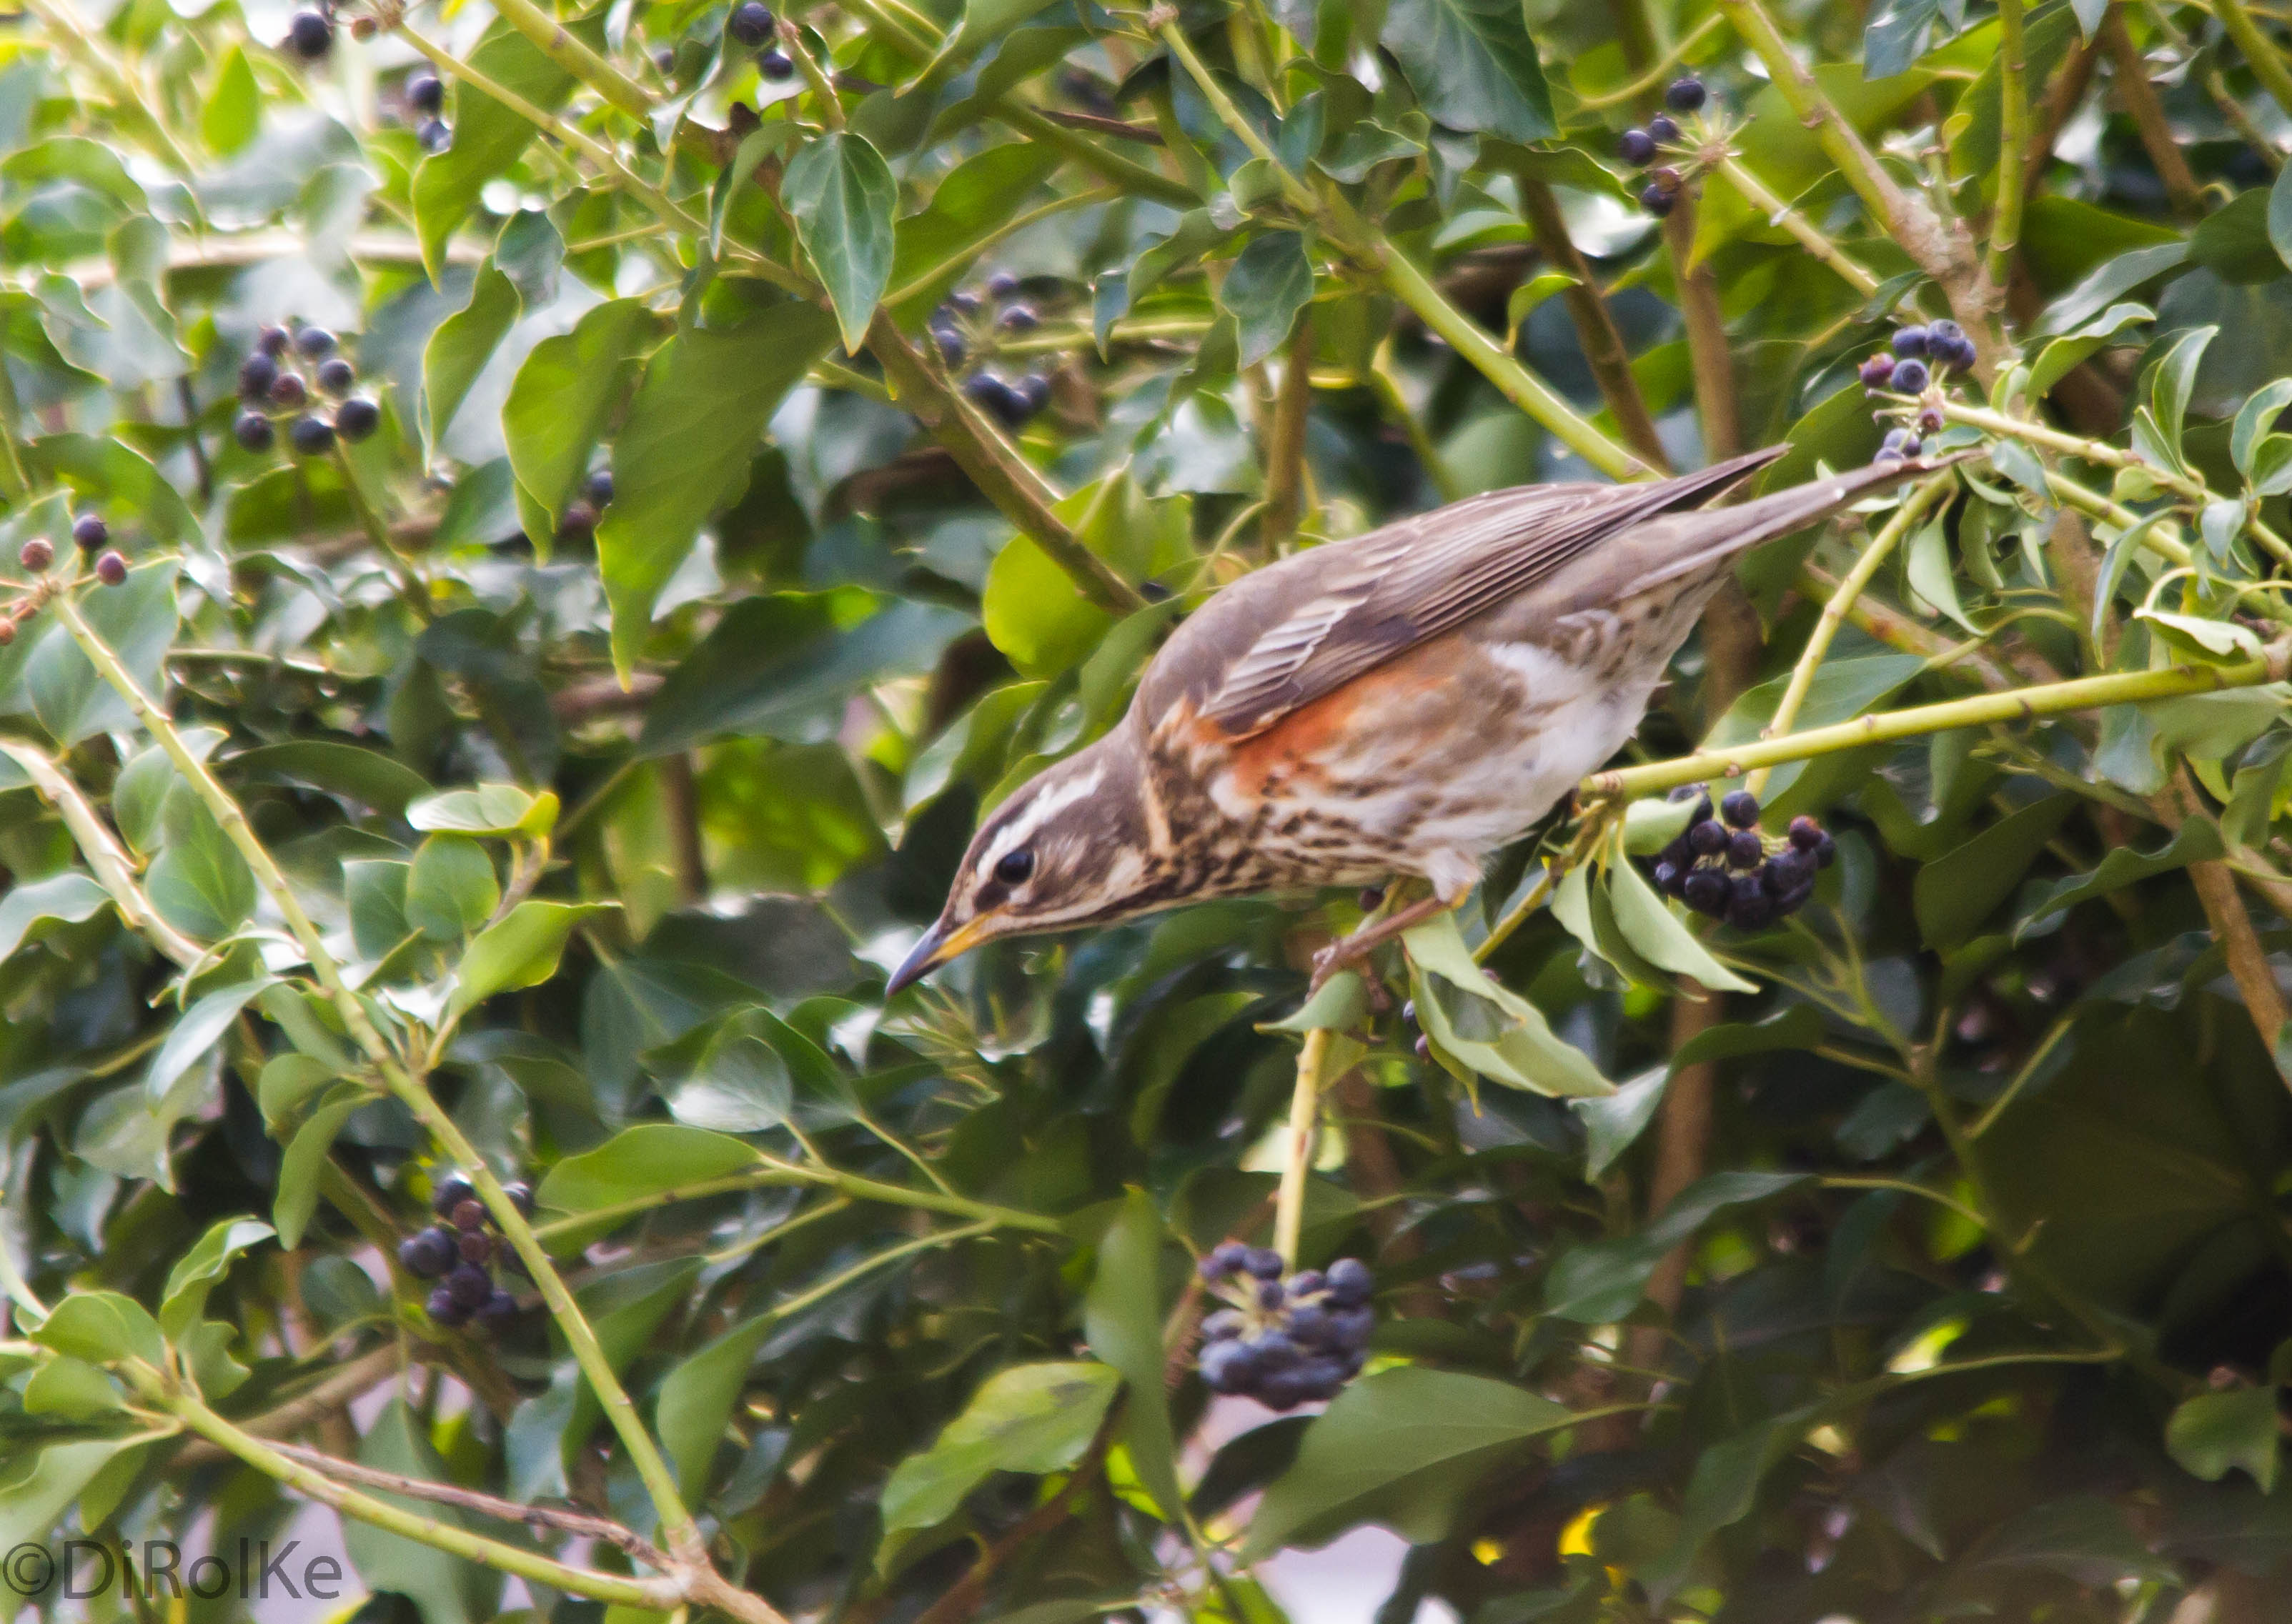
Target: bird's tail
[[1688, 544]]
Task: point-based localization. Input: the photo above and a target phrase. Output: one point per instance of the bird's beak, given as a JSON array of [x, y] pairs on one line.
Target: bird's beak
[[938, 947]]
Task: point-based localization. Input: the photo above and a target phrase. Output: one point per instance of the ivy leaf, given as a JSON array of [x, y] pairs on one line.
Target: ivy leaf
[[563, 395], [842, 197], [488, 137], [199, 883], [70, 897], [1121, 1320], [687, 447], [1269, 283], [1472, 65], [197, 1271], [521, 951], [462, 345]]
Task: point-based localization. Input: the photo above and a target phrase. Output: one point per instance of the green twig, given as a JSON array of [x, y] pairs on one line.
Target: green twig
[[2012, 141], [1810, 236], [1297, 1149], [2260, 54]]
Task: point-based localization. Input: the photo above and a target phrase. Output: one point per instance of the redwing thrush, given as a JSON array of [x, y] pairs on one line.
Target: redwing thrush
[[1404, 703]]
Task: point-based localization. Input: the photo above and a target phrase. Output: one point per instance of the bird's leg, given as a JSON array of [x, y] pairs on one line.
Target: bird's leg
[[1348, 950]]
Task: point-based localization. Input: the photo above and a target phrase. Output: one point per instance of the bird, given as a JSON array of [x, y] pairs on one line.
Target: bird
[[1399, 704]]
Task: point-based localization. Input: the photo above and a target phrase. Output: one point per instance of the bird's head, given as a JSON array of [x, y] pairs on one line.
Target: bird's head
[[1064, 850]]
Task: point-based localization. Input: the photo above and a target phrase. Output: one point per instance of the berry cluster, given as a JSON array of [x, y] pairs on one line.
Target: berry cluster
[[1284, 1342], [425, 99], [580, 518], [1723, 866], [37, 556], [1641, 146], [456, 1254], [751, 24], [968, 323], [1919, 359], [273, 376]]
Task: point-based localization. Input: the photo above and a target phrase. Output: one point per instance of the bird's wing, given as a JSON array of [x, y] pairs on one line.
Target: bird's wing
[[1382, 595]]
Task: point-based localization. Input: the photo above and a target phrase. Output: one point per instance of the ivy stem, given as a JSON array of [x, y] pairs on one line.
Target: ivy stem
[[2013, 134], [113, 871], [1659, 70], [1297, 1151], [555, 41], [663, 1594], [1810, 236], [1929, 491], [1980, 710], [2260, 54], [682, 1535]]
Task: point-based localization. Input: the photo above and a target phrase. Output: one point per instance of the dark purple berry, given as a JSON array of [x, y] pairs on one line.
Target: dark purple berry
[[476, 1247], [1685, 95], [1745, 891], [1272, 1350], [497, 1310], [1271, 1294], [1755, 913], [1226, 1366], [313, 342], [1019, 319], [751, 22], [427, 1255], [1226, 1258], [1002, 285], [1423, 1047], [311, 436], [520, 1193], [1662, 127], [1310, 1326], [337, 375], [1224, 1324], [468, 1215], [1034, 392], [434, 136], [776, 66], [1667, 878], [951, 347], [36, 554], [357, 417], [253, 430], [272, 342], [89, 531], [598, 490], [1805, 833], [1942, 332], [470, 1284], [256, 374], [446, 1308], [664, 58], [1306, 1282], [963, 300], [111, 569], [1657, 200], [451, 1192], [1826, 852], [1930, 421], [1285, 1390], [1706, 891], [580, 520], [311, 35], [1877, 371], [1350, 1327], [425, 92], [1910, 342], [1264, 1262], [1635, 148], [1003, 402], [289, 389], [1890, 447], [1350, 1283], [1740, 808], [1911, 377], [1745, 850], [1706, 839], [1787, 871]]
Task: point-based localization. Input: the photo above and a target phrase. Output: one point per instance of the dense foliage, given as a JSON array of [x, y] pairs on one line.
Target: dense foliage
[[531, 538]]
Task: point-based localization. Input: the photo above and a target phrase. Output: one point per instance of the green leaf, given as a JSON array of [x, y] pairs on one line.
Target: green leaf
[[697, 1398], [200, 1030], [1403, 1447], [2213, 1433], [35, 1493], [2174, 381], [1472, 65], [640, 1163], [2280, 217], [1955, 892], [365, 778], [967, 210], [1032, 1418], [521, 951], [491, 808], [103, 1328], [305, 1162], [451, 889], [1926, 562], [375, 888], [1484, 1026], [1601, 1281], [738, 1083], [1122, 1321], [70, 897], [983, 23], [1660, 936], [1339, 1006], [233, 111], [843, 199], [563, 394], [1614, 1121], [137, 622], [199, 883], [72, 1390], [444, 1589], [2198, 841], [1798, 1027], [1269, 283], [461, 346], [196, 1273], [488, 137], [685, 452]]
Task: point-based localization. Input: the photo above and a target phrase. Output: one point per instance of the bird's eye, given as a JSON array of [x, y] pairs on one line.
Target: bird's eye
[[1015, 866]]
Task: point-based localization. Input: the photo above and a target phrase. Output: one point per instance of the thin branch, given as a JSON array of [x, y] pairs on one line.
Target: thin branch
[[330, 1397], [2139, 98], [2260, 54], [1596, 334], [1810, 236], [2013, 134], [1297, 1149], [1285, 440], [113, 870]]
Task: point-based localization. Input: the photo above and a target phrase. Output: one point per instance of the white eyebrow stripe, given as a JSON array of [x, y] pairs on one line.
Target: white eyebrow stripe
[[1045, 806]]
